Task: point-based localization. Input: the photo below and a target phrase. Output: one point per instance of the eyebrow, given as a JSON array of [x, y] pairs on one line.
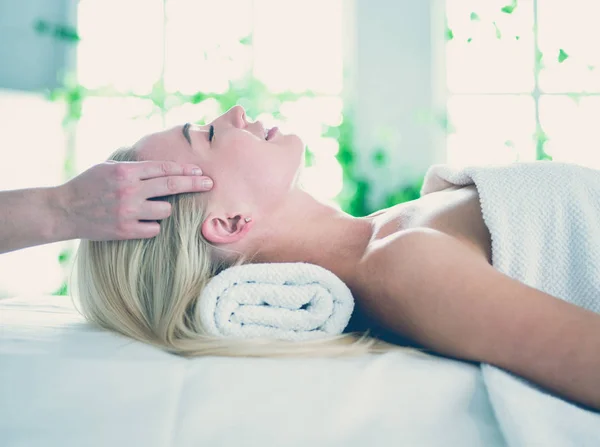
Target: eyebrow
[[186, 132]]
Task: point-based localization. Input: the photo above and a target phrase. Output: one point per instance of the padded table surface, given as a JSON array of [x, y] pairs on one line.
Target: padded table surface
[[66, 383]]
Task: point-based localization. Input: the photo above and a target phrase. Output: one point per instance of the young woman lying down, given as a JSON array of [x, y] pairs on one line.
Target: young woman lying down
[[428, 270]]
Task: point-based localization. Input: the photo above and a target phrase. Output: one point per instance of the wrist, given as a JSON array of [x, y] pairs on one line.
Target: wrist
[[60, 226]]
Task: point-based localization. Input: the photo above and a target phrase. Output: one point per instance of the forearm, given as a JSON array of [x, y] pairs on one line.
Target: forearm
[[31, 217], [440, 294], [568, 361]]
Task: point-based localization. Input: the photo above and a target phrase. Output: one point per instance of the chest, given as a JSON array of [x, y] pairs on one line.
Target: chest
[[455, 211]]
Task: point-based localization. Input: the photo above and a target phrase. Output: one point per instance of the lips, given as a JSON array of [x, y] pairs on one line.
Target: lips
[[271, 133]]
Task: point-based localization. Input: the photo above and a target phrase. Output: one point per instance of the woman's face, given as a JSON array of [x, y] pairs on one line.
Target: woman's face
[[235, 153], [251, 173]]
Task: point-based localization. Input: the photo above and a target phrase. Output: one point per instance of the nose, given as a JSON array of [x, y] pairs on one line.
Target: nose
[[238, 116]]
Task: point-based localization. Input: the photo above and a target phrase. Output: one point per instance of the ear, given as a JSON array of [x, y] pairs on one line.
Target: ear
[[225, 230]]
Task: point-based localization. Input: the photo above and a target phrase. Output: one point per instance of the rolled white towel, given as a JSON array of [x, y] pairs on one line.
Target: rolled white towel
[[284, 301]]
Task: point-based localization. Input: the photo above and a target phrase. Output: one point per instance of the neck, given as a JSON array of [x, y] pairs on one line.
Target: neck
[[307, 230]]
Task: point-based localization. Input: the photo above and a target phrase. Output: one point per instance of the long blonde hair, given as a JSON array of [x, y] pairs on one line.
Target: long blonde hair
[[148, 289]]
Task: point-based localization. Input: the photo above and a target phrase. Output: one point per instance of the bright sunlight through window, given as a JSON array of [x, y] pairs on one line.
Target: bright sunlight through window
[[189, 46], [523, 80]]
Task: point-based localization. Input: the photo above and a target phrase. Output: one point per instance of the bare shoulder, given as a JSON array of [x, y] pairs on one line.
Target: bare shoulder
[[419, 248], [398, 266], [430, 287], [410, 277]]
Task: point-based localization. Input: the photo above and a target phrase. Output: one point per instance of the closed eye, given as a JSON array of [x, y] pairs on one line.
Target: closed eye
[[211, 133]]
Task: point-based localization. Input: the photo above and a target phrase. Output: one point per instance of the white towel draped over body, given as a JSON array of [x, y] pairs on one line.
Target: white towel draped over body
[[285, 301], [544, 220]]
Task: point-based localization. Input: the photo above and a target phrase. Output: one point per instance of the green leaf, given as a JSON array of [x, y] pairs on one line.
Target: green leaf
[[406, 193], [66, 33], [475, 17], [158, 94], [379, 157], [63, 290], [246, 40], [56, 94], [449, 34], [517, 37], [540, 141], [69, 164], [508, 9], [540, 137], [60, 32], [562, 56], [332, 132], [309, 157], [41, 27], [64, 256], [444, 122], [345, 156], [538, 57], [197, 97], [498, 33], [469, 40]]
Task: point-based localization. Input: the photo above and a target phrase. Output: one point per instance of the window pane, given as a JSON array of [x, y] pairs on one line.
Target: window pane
[[302, 51], [110, 123], [324, 179], [306, 117], [32, 141], [202, 112], [572, 128], [480, 62], [573, 27], [121, 44], [203, 51], [491, 129], [206, 47], [33, 154]]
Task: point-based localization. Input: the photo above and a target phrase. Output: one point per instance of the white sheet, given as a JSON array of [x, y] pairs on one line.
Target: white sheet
[[64, 383]]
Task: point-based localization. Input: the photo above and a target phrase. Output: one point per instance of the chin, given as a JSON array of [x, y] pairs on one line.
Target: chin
[[297, 143]]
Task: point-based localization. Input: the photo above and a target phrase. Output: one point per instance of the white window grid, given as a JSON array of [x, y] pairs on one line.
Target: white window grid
[[173, 46], [523, 85]]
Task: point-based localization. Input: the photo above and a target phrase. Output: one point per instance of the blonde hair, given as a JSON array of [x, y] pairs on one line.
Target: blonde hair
[[148, 289]]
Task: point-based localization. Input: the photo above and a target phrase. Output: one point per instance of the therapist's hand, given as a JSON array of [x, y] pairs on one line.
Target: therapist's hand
[[108, 201]]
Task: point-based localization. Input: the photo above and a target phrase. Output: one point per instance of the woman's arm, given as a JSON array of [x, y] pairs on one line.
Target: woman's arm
[[435, 290], [29, 217], [105, 202]]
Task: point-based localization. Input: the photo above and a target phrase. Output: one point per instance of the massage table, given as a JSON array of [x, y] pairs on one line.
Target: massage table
[[64, 382]]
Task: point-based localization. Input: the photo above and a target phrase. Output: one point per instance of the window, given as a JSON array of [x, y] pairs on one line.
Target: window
[[32, 144], [138, 64], [523, 80], [187, 46]]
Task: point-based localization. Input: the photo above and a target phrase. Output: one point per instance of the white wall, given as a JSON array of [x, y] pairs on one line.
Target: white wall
[[396, 86]]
